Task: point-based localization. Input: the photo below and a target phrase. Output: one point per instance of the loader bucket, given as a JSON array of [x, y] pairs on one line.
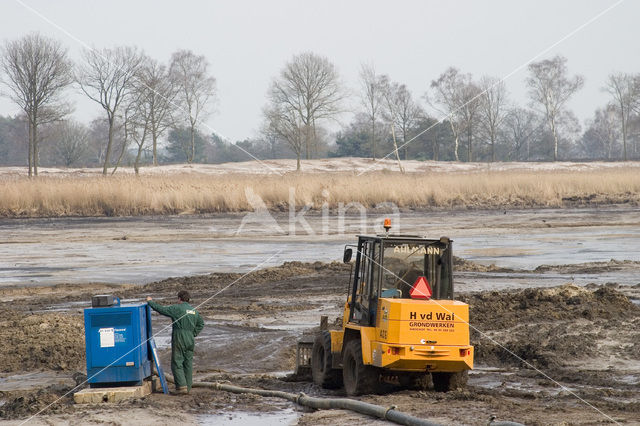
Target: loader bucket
[[303, 358]]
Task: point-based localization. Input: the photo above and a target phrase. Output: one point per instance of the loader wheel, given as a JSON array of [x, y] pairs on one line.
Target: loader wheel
[[359, 379], [322, 363], [445, 382]]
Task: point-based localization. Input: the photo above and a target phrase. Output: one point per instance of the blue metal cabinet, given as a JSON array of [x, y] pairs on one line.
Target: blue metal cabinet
[[117, 346]]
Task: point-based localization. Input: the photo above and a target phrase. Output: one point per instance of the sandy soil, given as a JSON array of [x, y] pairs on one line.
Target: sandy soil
[[346, 164], [577, 348]]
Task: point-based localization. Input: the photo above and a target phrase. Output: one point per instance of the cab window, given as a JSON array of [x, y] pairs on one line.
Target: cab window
[[404, 263], [367, 286]]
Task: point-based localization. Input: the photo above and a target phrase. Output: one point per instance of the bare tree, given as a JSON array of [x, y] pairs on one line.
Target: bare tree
[[134, 124], [285, 122], [308, 86], [13, 133], [98, 137], [438, 133], [148, 109], [272, 139], [522, 127], [446, 100], [107, 77], [138, 125], [625, 90], [123, 128], [37, 71], [634, 132], [372, 98], [602, 133], [403, 111], [158, 94], [468, 100], [391, 115], [493, 109], [550, 87], [195, 89], [71, 144]]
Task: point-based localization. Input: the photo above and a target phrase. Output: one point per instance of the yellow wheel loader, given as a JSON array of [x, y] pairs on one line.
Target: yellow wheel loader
[[400, 322]]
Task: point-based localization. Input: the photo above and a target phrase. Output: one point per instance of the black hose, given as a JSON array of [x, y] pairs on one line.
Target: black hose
[[391, 414]]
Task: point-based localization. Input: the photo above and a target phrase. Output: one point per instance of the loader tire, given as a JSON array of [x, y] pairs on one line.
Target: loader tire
[[445, 382], [358, 378], [322, 370]]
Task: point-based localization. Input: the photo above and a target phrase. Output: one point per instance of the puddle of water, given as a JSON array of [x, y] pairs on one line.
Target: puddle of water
[[162, 340], [301, 320], [112, 264], [630, 379], [487, 369], [280, 374], [34, 380], [481, 281], [92, 250], [496, 379], [238, 418], [532, 248], [67, 306]]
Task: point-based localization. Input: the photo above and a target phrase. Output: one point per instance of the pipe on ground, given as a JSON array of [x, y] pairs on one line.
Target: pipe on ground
[[391, 414]]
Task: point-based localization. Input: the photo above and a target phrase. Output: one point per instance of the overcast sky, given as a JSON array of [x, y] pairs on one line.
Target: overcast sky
[[248, 42]]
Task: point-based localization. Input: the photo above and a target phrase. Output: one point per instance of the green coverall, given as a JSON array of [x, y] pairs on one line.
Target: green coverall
[[187, 324]]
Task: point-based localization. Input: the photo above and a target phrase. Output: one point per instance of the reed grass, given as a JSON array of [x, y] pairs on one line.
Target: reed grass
[[200, 193]]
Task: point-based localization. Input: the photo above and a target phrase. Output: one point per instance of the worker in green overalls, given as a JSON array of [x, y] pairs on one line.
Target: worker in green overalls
[[187, 324]]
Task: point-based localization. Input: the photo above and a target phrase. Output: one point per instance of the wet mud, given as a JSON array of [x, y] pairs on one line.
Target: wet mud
[[41, 341], [561, 355], [76, 251]]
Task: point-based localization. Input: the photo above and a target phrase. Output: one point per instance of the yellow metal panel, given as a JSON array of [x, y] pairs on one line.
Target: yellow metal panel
[[425, 357], [382, 321], [408, 321], [367, 336], [418, 335], [336, 340], [422, 335], [345, 313]]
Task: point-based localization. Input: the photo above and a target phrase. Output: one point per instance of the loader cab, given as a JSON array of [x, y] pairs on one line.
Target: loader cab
[[392, 266]]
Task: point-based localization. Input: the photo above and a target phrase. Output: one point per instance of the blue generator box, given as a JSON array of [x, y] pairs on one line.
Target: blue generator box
[[116, 338]]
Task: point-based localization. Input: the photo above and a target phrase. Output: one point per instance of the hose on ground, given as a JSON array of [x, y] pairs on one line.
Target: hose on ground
[[390, 413]]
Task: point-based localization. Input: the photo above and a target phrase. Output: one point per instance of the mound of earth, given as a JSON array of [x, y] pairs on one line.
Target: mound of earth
[[502, 309], [261, 276], [41, 341], [464, 265], [553, 327], [589, 267]]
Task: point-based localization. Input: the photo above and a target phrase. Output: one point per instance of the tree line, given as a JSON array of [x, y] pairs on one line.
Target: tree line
[[147, 104], [141, 99]]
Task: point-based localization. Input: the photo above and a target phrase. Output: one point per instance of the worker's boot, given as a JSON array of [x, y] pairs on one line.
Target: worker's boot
[[181, 390]]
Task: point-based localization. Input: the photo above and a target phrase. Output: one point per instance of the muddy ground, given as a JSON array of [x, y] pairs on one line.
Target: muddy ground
[[561, 355]]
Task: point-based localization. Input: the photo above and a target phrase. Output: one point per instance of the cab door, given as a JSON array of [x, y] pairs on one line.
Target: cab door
[[366, 283]]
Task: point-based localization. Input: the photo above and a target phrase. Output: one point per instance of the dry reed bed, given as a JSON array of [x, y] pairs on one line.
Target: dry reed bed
[[193, 193]]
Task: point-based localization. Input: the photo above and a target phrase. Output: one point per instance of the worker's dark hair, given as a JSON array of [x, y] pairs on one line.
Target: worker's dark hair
[[184, 295]]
